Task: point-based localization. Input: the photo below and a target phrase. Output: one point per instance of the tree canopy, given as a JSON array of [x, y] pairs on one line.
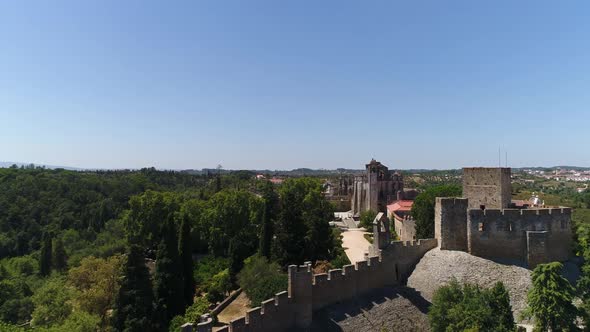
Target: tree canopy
[[423, 208], [76, 246], [457, 307], [367, 218], [550, 300], [302, 230]]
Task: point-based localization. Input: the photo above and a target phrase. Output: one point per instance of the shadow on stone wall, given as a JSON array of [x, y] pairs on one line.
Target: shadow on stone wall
[[396, 308]]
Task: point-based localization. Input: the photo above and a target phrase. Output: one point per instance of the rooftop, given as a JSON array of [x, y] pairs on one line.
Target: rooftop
[[400, 206]]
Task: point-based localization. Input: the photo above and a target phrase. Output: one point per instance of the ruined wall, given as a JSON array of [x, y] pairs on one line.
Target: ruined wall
[[308, 293], [503, 233], [450, 223], [489, 187]]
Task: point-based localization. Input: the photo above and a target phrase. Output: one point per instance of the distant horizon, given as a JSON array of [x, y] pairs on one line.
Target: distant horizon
[[7, 164]]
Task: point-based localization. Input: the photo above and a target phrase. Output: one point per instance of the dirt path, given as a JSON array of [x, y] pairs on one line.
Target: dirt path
[[236, 309], [355, 245]]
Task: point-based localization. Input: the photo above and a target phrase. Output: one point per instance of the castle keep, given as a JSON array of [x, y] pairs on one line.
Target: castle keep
[[484, 223]]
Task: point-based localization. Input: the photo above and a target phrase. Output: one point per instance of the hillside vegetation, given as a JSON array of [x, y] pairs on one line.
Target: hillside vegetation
[[116, 250]]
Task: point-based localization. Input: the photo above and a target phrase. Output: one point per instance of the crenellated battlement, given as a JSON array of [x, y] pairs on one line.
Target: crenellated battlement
[[308, 292], [503, 233]]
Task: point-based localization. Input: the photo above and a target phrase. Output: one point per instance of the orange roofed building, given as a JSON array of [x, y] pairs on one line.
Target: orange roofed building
[[403, 223]]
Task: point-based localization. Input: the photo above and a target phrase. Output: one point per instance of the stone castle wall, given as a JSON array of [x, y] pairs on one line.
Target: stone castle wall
[[405, 229], [504, 233], [452, 235], [308, 293]]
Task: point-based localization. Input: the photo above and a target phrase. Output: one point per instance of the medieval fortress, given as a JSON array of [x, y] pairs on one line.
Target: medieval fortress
[[483, 223]]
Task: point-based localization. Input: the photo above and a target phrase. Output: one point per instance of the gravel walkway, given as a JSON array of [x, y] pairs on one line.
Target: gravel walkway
[[355, 245], [438, 267]]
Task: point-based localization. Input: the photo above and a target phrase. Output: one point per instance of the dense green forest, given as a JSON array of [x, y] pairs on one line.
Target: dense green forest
[[148, 250]]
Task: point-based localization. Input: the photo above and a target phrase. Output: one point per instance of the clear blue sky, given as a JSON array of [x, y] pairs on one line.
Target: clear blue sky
[[287, 84]]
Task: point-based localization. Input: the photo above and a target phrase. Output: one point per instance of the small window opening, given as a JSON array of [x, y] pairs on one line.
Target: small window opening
[[483, 207], [480, 227]]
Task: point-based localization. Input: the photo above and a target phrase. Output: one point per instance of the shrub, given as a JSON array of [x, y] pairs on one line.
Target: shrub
[[207, 267], [367, 218], [191, 315], [219, 286], [260, 279], [52, 303]]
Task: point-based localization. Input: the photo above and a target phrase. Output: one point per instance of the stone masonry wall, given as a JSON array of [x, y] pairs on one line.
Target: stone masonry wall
[[405, 229], [308, 293], [489, 187], [503, 233], [537, 247], [450, 223]]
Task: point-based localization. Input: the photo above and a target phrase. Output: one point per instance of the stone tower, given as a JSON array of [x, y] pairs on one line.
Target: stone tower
[[487, 187], [376, 188], [375, 171]]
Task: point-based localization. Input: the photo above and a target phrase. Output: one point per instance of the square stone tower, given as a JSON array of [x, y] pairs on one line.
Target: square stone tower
[[487, 187]]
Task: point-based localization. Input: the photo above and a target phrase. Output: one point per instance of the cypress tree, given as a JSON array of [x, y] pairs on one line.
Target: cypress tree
[[133, 306], [237, 253], [186, 251], [46, 252], [168, 283], [499, 300], [268, 218], [59, 259], [266, 236]]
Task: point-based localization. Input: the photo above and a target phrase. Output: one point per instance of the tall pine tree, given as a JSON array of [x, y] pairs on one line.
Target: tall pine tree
[[186, 255], [550, 300], [46, 252], [168, 283], [59, 259], [133, 306]]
